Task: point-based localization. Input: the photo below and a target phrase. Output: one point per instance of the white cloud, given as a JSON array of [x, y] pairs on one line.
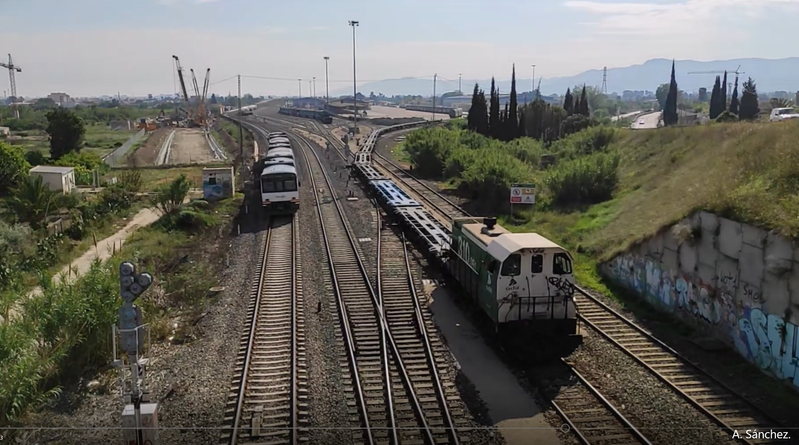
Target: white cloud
[[687, 19]]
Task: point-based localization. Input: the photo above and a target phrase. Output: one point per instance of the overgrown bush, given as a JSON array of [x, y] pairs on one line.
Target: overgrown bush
[[727, 117], [584, 180], [13, 167], [131, 180], [169, 197], [35, 157], [586, 142], [61, 330], [429, 150]]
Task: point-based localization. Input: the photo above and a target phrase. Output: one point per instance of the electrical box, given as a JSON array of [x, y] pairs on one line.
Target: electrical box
[[149, 424], [129, 426]]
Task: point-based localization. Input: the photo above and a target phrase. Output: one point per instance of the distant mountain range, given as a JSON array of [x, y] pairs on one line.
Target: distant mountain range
[[769, 75]]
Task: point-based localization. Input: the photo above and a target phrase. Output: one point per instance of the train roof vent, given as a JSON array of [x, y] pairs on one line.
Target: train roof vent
[[488, 228]]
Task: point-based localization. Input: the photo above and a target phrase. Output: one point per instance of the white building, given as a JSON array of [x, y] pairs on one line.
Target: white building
[[5, 131], [60, 179], [60, 98]]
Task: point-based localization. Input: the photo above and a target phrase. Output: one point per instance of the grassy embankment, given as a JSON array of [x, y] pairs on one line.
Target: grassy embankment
[[614, 188], [63, 334]]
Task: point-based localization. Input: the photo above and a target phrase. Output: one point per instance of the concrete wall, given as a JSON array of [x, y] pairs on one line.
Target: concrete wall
[[733, 281]]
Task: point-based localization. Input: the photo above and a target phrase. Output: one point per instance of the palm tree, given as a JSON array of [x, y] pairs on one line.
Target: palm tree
[[32, 201]]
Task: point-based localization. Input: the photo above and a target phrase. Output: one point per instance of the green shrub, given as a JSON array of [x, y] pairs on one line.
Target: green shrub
[[727, 117], [64, 329], [585, 180], [588, 141], [35, 157], [489, 176], [429, 150]]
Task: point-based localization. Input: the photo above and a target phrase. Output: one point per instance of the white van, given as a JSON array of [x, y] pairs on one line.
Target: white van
[[780, 114]]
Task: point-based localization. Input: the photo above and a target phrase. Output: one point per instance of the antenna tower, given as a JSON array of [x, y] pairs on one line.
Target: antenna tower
[[605, 81]]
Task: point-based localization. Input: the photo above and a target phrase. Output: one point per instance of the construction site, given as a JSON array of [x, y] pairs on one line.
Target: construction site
[[184, 136]]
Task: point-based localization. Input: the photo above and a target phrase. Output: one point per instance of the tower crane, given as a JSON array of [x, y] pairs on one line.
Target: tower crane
[[11, 68], [729, 84]]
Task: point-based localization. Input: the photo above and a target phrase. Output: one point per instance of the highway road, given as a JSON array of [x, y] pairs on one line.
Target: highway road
[[625, 116], [646, 121]]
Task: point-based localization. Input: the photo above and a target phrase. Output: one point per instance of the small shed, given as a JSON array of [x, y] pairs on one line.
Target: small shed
[[218, 183], [5, 131], [60, 179]]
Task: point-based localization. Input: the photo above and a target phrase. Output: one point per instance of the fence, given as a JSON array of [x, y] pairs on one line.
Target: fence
[[120, 152]]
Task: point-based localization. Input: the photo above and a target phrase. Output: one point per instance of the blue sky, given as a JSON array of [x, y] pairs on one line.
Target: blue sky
[[88, 47]]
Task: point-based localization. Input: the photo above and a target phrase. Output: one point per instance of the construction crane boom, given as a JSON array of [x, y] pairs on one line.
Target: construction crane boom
[[182, 82], [206, 84], [11, 69], [194, 81], [736, 72]]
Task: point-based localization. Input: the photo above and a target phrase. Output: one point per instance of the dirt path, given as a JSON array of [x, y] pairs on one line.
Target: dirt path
[[190, 147]]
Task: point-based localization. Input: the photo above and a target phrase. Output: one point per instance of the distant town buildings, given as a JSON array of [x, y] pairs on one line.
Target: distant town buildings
[[60, 98]]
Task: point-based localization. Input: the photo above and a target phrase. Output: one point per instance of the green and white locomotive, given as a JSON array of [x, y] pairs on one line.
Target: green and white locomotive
[[522, 281]]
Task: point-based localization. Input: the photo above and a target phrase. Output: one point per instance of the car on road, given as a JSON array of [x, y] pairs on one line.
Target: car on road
[[781, 114]]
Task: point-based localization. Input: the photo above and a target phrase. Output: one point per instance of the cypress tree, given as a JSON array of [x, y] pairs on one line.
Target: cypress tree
[[493, 113], [584, 104], [715, 96], [522, 128], [513, 119], [723, 90], [734, 101], [749, 108], [576, 105], [506, 124], [471, 120], [670, 116], [568, 102], [482, 122]]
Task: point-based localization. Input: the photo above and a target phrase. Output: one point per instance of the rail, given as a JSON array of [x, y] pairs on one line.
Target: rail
[[683, 379], [385, 331], [272, 341]]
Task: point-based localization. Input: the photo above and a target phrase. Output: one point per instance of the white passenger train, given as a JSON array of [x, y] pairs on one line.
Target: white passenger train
[[280, 185]]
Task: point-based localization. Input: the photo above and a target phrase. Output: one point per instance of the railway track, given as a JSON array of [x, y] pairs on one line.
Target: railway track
[[592, 418], [391, 400], [721, 404], [718, 402], [265, 405]]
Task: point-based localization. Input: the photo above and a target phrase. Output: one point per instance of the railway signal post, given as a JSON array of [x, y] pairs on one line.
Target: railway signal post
[[139, 416]]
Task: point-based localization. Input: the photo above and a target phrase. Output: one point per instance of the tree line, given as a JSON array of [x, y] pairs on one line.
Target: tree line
[[745, 108], [538, 119]]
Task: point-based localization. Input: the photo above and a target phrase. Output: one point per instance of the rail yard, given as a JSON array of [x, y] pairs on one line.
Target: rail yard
[[398, 382], [334, 336]]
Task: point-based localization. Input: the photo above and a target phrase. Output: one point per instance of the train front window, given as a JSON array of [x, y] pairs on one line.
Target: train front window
[[267, 186], [290, 186], [512, 266], [561, 264], [537, 263]]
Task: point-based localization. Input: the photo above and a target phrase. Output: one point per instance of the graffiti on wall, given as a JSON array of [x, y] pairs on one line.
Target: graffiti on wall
[[769, 342], [764, 339]]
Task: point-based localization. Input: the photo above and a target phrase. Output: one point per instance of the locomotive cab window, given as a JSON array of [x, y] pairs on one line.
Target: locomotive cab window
[[492, 267], [512, 266], [537, 263], [561, 264]]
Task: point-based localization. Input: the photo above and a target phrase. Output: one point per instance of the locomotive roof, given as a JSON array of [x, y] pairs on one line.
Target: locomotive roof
[[506, 243]]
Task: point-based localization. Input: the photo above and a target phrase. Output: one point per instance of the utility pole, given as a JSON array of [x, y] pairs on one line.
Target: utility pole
[[310, 88], [354, 23], [314, 86], [299, 82], [532, 81], [241, 130], [459, 84], [434, 96], [140, 416], [327, 88]]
